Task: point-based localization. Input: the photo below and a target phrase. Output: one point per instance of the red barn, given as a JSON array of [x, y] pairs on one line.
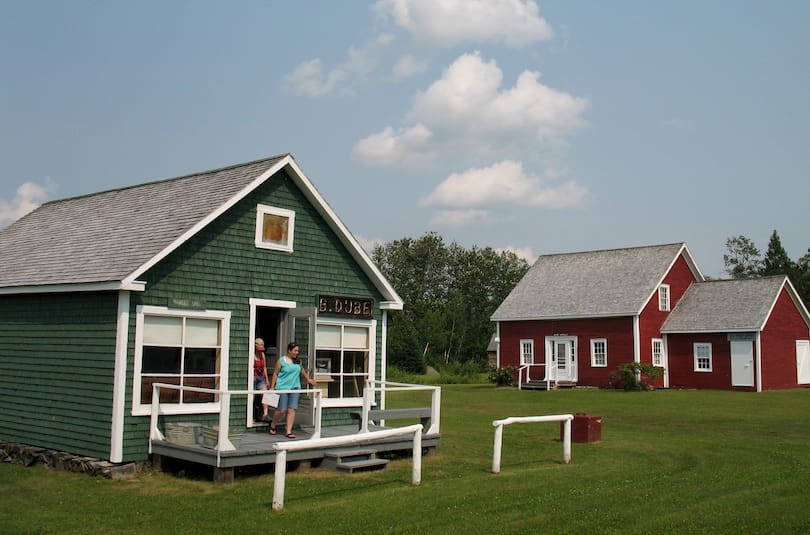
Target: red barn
[[575, 317]]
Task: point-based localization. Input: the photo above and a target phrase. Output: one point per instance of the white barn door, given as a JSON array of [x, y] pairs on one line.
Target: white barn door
[[803, 361], [742, 363]]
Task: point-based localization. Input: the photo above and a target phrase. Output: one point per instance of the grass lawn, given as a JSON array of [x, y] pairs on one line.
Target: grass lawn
[[669, 461]]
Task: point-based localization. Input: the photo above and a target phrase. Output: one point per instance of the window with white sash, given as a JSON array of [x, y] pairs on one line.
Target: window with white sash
[[599, 352], [703, 357], [526, 352], [663, 297], [179, 347]]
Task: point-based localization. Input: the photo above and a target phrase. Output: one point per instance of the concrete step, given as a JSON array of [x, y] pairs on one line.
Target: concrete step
[[361, 464]]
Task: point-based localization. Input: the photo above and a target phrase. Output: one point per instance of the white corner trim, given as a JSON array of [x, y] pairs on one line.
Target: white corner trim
[[119, 379]]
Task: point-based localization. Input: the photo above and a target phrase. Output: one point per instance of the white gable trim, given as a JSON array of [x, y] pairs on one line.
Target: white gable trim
[[393, 300], [211, 217], [690, 262], [120, 379], [794, 296], [356, 250]]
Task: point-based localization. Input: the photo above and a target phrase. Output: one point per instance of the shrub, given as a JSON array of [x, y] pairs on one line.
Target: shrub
[[504, 376], [635, 376]]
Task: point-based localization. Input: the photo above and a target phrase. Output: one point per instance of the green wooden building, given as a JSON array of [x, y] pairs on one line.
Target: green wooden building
[[171, 281]]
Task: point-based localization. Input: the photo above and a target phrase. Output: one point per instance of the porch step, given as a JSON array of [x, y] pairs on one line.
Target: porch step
[[353, 460], [541, 385], [535, 385]]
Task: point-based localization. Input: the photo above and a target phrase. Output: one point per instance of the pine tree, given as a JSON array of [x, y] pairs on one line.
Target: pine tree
[[776, 260]]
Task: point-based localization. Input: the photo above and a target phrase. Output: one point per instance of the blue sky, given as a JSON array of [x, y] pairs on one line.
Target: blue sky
[[541, 127]]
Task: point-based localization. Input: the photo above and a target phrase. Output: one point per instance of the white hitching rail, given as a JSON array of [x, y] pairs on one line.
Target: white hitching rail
[[283, 447], [499, 425]]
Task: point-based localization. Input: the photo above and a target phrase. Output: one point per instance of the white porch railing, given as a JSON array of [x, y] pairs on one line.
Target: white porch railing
[[389, 386], [499, 425], [223, 441], [283, 447], [526, 370]]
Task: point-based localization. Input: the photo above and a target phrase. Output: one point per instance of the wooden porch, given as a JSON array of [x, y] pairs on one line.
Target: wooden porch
[[254, 447]]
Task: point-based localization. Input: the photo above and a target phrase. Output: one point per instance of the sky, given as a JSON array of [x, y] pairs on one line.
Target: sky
[[538, 127]]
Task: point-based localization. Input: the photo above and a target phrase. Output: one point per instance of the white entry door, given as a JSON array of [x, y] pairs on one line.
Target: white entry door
[[803, 362], [563, 358], [742, 363]]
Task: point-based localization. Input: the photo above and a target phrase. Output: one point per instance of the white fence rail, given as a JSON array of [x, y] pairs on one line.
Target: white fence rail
[[283, 447], [500, 424], [388, 386], [223, 442]]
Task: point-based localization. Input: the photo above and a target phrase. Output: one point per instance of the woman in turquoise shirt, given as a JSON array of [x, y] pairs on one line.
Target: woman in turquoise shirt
[[287, 376]]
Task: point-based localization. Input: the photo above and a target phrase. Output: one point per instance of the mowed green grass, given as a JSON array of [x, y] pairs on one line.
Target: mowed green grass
[[669, 461]]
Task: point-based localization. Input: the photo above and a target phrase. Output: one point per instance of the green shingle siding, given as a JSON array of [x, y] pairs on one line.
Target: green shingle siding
[[65, 344], [220, 268]]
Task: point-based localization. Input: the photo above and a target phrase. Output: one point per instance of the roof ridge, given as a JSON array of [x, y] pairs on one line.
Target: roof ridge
[[614, 249], [188, 175]]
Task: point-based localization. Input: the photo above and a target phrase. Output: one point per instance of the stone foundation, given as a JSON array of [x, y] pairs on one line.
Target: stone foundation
[[68, 462]]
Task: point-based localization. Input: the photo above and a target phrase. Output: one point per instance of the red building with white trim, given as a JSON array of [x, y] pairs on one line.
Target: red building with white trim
[[575, 317]]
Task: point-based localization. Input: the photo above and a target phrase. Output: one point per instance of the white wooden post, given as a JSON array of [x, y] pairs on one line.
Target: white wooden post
[[278, 480], [154, 432], [435, 411], [496, 456], [367, 393], [224, 443], [417, 457], [317, 432], [567, 441]]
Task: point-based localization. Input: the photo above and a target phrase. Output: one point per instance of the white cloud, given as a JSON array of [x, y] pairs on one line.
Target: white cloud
[[458, 218], [368, 244], [525, 253], [503, 182], [407, 66], [468, 113], [404, 148], [449, 22], [309, 79], [28, 197]]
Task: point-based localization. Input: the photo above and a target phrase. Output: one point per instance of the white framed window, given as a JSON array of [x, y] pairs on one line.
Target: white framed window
[[527, 352], [275, 228], [599, 352], [663, 297], [657, 352], [180, 347], [344, 359], [703, 357]]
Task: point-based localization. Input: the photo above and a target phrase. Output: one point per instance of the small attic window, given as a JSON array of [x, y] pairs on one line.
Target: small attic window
[[274, 228], [663, 297]]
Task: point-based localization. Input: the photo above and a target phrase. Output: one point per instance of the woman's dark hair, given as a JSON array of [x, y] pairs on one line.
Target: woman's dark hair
[[291, 346]]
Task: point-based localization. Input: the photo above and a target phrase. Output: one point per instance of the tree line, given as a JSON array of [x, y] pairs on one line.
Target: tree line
[[450, 292], [743, 260]]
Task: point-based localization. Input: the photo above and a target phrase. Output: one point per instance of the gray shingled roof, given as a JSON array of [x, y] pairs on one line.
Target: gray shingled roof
[[726, 305], [616, 282], [105, 236]]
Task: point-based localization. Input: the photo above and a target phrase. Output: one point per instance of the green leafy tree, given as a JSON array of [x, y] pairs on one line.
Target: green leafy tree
[[449, 292], [742, 259]]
